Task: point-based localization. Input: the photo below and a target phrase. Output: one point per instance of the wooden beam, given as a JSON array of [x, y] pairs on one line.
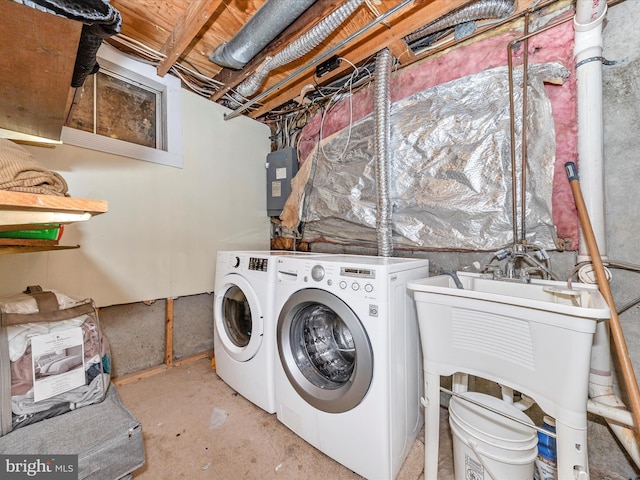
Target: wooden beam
[[194, 358], [377, 38], [134, 377], [380, 36], [402, 52], [188, 26], [168, 328], [399, 48], [149, 372]]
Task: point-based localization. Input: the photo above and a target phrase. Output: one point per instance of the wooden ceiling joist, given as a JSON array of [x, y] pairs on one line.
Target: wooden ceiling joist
[[188, 26], [389, 35], [189, 30]]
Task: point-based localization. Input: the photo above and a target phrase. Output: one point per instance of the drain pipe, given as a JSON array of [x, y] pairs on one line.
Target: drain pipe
[[382, 138], [587, 54], [588, 21], [267, 23]]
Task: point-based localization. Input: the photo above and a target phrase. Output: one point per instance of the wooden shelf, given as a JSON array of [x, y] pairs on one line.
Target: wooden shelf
[[27, 211]]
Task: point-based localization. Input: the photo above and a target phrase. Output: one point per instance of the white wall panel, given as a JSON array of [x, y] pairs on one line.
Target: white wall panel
[[164, 225]]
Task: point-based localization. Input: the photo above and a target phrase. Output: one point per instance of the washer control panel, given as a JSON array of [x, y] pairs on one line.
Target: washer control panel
[[357, 279]]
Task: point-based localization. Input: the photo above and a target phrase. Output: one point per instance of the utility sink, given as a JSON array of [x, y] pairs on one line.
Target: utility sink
[[580, 300], [534, 337]]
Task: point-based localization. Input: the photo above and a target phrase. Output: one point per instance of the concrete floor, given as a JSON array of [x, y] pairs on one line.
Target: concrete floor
[[187, 436], [196, 427]]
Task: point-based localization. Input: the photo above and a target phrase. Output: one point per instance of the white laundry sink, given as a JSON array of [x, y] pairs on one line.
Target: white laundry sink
[[581, 300], [534, 337]]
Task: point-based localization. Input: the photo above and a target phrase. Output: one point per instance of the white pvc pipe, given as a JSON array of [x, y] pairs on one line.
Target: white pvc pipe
[[588, 45], [620, 422], [613, 413], [587, 53]]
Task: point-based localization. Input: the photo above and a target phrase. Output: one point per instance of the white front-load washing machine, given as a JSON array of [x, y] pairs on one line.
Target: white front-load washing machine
[[348, 370], [244, 323]]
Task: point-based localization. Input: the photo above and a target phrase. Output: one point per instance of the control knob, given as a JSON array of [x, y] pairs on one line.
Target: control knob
[[317, 273]]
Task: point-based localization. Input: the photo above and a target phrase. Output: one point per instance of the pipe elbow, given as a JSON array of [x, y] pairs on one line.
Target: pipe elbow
[[588, 17]]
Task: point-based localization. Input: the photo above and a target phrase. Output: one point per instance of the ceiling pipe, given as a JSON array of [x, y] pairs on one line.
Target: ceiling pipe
[[319, 58], [298, 48], [267, 23], [480, 10]]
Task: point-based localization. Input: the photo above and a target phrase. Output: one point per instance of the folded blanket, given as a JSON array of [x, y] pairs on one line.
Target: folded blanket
[[20, 172]]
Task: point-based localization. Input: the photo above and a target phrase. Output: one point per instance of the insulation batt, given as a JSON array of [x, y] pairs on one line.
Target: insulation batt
[[555, 45], [451, 168]]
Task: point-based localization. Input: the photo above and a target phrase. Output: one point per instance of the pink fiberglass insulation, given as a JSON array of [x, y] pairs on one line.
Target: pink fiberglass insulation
[[554, 45]]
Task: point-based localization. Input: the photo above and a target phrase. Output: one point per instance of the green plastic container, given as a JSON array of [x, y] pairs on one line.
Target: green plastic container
[[51, 232]]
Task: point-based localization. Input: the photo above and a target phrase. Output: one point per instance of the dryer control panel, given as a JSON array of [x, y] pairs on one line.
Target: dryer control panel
[[258, 264]]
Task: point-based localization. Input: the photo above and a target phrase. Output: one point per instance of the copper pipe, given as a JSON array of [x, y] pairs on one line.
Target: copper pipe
[[603, 284], [512, 132], [523, 160]]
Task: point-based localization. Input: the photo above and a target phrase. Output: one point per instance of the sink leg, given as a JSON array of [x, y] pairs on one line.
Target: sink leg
[[431, 425], [573, 460]]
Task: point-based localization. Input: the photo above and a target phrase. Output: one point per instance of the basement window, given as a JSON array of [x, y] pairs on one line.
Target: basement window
[[126, 109]]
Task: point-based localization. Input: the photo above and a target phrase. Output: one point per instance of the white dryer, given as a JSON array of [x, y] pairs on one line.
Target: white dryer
[[244, 323], [348, 371]]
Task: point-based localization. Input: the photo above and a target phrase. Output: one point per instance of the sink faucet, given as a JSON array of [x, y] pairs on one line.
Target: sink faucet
[[525, 271], [518, 256], [495, 270], [453, 275]]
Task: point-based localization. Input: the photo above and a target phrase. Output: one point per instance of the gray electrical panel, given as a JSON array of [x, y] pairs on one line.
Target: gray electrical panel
[[282, 165]]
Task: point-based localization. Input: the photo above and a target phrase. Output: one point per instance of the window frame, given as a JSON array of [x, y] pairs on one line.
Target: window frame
[[117, 62]]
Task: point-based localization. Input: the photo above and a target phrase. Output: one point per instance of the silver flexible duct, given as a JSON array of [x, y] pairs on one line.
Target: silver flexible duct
[[382, 138], [266, 24], [483, 9], [299, 47]]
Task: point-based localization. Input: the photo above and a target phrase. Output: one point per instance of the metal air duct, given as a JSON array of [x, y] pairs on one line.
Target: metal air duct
[[299, 47], [267, 23], [382, 118], [483, 9]]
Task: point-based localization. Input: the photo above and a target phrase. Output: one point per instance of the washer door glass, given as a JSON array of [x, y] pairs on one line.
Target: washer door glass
[[324, 350], [238, 318]]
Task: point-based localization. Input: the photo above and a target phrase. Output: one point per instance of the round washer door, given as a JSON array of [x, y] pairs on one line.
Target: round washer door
[[324, 350], [238, 318]]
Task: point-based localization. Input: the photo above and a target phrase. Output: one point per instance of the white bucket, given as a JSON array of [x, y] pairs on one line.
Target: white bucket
[[487, 445]]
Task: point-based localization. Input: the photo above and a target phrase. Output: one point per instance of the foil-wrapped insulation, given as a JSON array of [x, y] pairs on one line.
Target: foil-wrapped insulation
[[382, 134], [450, 168]]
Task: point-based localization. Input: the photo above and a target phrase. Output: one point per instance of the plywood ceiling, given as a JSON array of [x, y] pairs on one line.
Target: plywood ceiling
[[185, 32]]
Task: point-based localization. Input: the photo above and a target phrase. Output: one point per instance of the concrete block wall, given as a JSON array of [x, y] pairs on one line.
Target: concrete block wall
[[137, 333]]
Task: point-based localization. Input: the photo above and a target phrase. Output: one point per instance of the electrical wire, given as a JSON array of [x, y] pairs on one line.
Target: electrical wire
[[191, 77], [324, 112]]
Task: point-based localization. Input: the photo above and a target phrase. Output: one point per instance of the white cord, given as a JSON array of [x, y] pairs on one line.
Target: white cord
[[324, 112]]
